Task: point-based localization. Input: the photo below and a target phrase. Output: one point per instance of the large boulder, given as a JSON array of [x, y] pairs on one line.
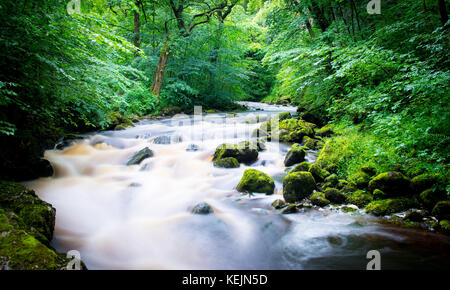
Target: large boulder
[[392, 183], [256, 181], [26, 230], [294, 156], [298, 185], [140, 156], [245, 152]]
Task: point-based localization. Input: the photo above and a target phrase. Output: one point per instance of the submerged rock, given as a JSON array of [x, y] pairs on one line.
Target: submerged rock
[[294, 156], [202, 208], [290, 208], [256, 181], [140, 156], [192, 148], [298, 185]]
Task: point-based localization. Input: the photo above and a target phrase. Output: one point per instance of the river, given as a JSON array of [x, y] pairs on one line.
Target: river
[[139, 217]]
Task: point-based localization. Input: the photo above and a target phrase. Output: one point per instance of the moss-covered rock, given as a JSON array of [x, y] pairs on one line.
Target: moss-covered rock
[[290, 208], [292, 130], [227, 162], [332, 180], [423, 182], [140, 156], [342, 183], [26, 229], [379, 194], [442, 210], [34, 215], [334, 196], [259, 132], [325, 131], [390, 206], [369, 170], [119, 122], [277, 204], [392, 183], [256, 181], [360, 178], [243, 152], [298, 185], [359, 198], [304, 166], [430, 197], [310, 143], [445, 226], [294, 156], [319, 199], [318, 173]]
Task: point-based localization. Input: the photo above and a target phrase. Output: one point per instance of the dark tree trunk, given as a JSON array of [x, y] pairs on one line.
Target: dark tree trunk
[[442, 11], [159, 74]]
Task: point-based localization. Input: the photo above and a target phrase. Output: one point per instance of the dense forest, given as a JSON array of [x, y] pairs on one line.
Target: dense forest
[[375, 73]]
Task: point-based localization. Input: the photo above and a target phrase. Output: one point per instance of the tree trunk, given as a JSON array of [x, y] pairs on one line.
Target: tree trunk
[[160, 68], [442, 11], [137, 31]]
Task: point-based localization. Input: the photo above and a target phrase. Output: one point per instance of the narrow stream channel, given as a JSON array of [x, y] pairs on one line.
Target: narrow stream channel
[[138, 217]]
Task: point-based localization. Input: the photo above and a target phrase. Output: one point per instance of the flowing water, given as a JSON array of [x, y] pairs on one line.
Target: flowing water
[[139, 216]]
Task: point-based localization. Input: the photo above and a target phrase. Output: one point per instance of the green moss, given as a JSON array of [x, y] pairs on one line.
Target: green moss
[[361, 179], [319, 199], [359, 198], [334, 196], [430, 197], [310, 143], [392, 183], [294, 156], [227, 162], [342, 183], [318, 173], [332, 180], [33, 215], [256, 181], [378, 194], [390, 206], [298, 185], [290, 208], [292, 130], [304, 166], [445, 226], [325, 131], [423, 182], [243, 152], [442, 210], [277, 204]]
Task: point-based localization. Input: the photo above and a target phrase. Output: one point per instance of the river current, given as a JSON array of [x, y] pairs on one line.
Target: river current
[[139, 216]]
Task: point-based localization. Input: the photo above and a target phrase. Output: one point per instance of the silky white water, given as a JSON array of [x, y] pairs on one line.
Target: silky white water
[[139, 217]]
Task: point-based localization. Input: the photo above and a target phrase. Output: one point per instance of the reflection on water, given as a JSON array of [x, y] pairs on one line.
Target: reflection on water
[[138, 217]]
